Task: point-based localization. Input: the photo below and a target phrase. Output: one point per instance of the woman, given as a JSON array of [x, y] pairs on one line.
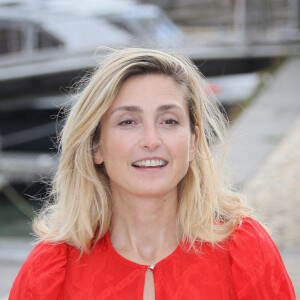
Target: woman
[[140, 209]]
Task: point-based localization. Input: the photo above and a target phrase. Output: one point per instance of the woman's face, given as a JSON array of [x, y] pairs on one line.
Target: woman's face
[[146, 143]]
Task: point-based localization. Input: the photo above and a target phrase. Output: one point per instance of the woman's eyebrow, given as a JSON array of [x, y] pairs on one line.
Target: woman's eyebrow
[[169, 106], [135, 108], [131, 108]]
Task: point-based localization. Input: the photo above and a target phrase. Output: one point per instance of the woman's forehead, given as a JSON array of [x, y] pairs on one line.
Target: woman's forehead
[[149, 89]]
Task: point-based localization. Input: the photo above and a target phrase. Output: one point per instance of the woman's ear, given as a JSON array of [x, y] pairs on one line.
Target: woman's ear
[[194, 143], [97, 156]]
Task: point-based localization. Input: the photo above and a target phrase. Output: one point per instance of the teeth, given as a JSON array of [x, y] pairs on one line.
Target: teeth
[[150, 163]]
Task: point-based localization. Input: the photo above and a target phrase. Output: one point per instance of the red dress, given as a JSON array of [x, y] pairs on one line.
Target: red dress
[[247, 266]]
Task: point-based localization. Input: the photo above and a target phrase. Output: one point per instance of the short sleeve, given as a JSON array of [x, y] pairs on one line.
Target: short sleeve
[[257, 267], [43, 273]]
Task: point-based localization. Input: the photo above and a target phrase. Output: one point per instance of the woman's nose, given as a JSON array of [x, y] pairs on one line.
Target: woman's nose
[[150, 138]]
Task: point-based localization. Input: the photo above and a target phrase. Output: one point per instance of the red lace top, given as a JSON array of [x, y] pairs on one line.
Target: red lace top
[[247, 266]]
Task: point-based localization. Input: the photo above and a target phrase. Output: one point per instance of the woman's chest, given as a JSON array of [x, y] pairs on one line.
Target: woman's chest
[[182, 277]]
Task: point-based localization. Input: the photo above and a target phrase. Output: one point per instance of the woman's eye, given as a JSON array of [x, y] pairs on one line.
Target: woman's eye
[[127, 122], [171, 122]]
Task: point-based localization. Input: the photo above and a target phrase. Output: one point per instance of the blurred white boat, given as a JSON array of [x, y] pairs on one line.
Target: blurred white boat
[[231, 89], [40, 37], [78, 26]]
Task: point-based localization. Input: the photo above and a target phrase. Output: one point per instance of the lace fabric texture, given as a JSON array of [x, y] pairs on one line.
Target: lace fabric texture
[[247, 266]]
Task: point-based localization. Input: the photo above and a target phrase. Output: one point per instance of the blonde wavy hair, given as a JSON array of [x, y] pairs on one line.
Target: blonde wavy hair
[[80, 208]]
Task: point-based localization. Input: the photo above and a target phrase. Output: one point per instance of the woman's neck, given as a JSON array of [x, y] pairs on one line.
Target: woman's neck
[[144, 230]]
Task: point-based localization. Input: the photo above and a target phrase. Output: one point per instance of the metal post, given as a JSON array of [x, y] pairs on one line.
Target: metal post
[[240, 20], [30, 38], [294, 14]]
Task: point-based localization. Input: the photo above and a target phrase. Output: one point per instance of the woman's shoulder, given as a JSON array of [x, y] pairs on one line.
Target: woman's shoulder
[[42, 273], [47, 257], [250, 231], [256, 263], [45, 249], [251, 245]]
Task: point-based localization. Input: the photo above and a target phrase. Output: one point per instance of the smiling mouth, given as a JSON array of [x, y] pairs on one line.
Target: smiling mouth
[[153, 163]]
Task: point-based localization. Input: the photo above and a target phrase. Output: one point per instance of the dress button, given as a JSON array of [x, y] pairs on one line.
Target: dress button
[[151, 266]]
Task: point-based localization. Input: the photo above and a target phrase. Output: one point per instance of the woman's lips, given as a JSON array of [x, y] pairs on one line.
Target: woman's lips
[[150, 163]]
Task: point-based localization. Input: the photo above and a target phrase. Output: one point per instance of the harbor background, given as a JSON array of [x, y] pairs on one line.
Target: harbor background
[[249, 53]]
